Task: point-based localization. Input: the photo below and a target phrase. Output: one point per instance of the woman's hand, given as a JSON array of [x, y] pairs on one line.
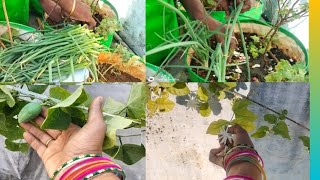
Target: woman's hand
[[223, 5], [240, 136], [78, 10], [68, 143], [213, 25]]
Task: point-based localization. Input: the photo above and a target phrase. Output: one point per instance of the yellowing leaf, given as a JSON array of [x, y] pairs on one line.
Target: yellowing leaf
[[205, 110], [240, 109], [215, 127], [247, 125], [164, 104], [202, 93], [166, 84], [179, 89], [152, 107]]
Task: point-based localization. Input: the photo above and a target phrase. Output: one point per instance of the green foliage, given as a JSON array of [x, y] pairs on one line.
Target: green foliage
[[215, 127], [261, 132], [127, 153], [277, 125], [306, 141], [285, 72], [108, 26]]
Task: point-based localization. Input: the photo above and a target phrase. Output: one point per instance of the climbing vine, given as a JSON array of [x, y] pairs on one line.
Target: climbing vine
[[160, 100], [65, 107]]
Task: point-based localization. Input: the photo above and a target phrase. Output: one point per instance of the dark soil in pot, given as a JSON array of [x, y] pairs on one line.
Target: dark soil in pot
[[114, 75]]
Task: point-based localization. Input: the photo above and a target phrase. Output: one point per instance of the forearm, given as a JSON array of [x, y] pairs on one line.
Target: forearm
[[106, 176], [245, 169], [197, 11], [195, 8]]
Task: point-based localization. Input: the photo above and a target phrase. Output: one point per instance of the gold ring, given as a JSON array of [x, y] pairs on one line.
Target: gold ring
[[47, 143]]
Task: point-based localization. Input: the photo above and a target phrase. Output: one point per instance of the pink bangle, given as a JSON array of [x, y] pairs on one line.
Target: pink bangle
[[76, 166], [237, 177], [241, 153]]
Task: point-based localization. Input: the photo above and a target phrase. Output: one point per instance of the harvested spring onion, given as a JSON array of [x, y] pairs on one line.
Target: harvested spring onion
[[54, 55]]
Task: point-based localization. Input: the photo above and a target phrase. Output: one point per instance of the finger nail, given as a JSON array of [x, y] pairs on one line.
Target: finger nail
[[101, 101]]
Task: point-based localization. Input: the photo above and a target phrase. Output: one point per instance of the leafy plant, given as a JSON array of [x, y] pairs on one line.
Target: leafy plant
[[160, 100], [66, 107], [285, 72], [277, 126], [196, 39], [108, 26], [287, 11]]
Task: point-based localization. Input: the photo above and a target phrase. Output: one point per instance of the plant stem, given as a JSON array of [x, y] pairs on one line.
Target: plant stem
[[276, 112], [7, 20]]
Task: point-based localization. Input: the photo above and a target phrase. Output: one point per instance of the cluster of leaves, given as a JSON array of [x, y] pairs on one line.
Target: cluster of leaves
[[243, 117], [159, 100], [285, 72], [256, 47], [277, 126], [108, 26], [72, 108]]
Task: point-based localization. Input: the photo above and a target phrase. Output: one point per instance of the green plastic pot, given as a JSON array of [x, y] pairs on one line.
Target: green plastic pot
[[17, 10], [36, 5], [163, 75], [196, 78], [18, 26]]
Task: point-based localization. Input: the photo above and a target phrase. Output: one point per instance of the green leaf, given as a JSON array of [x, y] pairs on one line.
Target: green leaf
[[270, 118], [202, 93], [245, 124], [215, 127], [113, 124], [240, 109], [179, 89], [261, 132], [128, 153], [136, 105], [164, 104], [306, 141], [13, 146], [59, 93], [40, 89], [78, 117], [56, 119], [9, 99], [205, 110], [114, 107], [281, 129], [77, 98]]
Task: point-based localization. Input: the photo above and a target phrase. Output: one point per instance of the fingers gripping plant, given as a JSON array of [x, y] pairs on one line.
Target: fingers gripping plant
[[196, 36], [65, 108], [160, 100]]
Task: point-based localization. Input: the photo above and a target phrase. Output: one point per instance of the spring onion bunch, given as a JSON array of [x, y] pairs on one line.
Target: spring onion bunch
[[53, 55]]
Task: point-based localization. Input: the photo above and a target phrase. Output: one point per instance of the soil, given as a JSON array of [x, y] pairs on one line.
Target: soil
[[114, 75], [260, 67]]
